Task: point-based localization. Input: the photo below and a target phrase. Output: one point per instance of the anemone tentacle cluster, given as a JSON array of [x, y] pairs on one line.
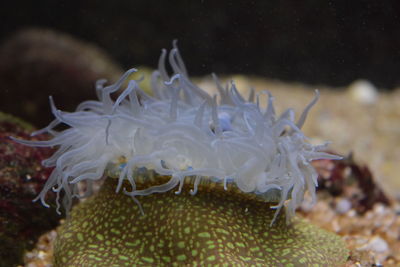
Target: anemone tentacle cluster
[[181, 131]]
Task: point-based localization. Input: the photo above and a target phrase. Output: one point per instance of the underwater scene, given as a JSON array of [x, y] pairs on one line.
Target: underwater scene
[[199, 133]]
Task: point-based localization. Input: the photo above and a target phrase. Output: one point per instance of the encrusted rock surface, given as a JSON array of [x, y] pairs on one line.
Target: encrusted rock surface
[[21, 179]]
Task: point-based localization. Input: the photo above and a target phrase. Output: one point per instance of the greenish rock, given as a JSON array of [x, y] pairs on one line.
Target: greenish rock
[[214, 227]]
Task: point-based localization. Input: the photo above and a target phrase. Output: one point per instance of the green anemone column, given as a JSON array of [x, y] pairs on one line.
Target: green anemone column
[[212, 228]]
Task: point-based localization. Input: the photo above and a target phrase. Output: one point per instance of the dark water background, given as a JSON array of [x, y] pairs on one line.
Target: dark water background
[[312, 41]]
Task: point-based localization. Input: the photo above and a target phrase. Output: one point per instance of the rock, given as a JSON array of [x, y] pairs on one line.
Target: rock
[[21, 179], [36, 63], [351, 181]]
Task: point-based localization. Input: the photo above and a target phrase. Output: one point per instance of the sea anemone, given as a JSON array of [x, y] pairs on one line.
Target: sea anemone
[[236, 155], [182, 132]]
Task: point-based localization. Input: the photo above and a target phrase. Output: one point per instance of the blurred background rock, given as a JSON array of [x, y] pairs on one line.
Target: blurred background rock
[[36, 63]]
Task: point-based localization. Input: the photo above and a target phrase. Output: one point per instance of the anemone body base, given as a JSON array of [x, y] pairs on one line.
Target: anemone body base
[[212, 228]]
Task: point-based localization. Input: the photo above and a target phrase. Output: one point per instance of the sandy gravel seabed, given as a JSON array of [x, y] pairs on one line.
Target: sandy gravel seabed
[[368, 126]]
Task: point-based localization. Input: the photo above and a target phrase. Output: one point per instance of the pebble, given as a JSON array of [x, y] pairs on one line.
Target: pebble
[[377, 244], [343, 205], [363, 91]]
